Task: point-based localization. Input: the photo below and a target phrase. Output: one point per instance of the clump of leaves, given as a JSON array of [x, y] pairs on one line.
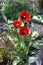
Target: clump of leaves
[[11, 8]]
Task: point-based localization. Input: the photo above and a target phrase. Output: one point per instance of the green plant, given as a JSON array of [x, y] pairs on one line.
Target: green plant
[[21, 48], [11, 8]]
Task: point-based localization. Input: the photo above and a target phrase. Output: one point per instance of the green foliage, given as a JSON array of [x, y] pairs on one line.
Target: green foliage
[[31, 59], [19, 50], [22, 1], [37, 2], [38, 19], [12, 8]]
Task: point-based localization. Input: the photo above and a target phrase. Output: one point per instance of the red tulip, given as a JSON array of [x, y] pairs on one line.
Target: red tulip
[[24, 15], [17, 23], [24, 31]]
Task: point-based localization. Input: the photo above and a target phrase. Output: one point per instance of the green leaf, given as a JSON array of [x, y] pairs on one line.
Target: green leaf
[[31, 59], [10, 21], [16, 61], [4, 17], [34, 35], [38, 19], [22, 1]]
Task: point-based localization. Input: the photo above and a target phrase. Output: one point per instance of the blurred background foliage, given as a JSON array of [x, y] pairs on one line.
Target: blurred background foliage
[[11, 8], [22, 1]]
